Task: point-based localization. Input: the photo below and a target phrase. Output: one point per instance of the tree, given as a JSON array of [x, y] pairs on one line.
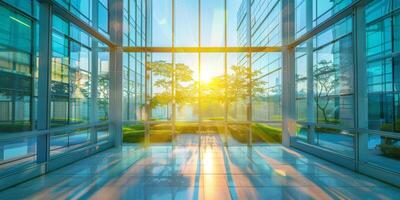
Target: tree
[[325, 81], [184, 84], [236, 86], [103, 94]]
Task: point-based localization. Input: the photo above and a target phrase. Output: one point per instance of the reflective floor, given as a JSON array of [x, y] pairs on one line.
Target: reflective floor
[[202, 170]]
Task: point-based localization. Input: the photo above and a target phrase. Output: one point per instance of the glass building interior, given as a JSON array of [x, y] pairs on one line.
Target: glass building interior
[[199, 99]]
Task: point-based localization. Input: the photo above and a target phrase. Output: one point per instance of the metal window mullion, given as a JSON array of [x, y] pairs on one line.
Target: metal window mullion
[[288, 72], [94, 75], [148, 17], [225, 75], [136, 44], [173, 118], [249, 66], [43, 117], [199, 69], [34, 68], [310, 73], [361, 92], [116, 70]]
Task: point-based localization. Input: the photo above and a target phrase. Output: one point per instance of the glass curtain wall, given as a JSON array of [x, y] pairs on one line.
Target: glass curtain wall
[[324, 68], [76, 56], [18, 78], [346, 98], [78, 89], [230, 93], [133, 105], [382, 84]]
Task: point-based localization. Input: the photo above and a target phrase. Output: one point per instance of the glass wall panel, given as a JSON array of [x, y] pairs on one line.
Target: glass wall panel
[[310, 14], [340, 141], [103, 134], [186, 23], [17, 151], [384, 151], [266, 23], [103, 16], [161, 82], [236, 23], [266, 87], [382, 66], [301, 78], [186, 86], [238, 91], [80, 8], [212, 86], [161, 23], [382, 147], [212, 23], [71, 74], [24, 5], [103, 92], [63, 142], [16, 71], [328, 57]]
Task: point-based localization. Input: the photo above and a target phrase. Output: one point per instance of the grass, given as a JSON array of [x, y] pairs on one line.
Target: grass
[[17, 126], [266, 133], [390, 150], [133, 134], [262, 133]]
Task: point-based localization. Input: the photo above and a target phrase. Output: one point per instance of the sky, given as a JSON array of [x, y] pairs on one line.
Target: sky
[[187, 22]]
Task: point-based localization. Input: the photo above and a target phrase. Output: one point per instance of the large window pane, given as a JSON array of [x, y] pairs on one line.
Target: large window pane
[[161, 23], [236, 23], [212, 22], [324, 66], [321, 11], [186, 86], [71, 74], [266, 23], [266, 87], [16, 70], [238, 91], [384, 151], [186, 23], [382, 67], [161, 86], [212, 86]]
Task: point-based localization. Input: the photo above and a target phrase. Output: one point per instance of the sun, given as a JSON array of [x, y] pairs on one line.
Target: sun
[[206, 74]]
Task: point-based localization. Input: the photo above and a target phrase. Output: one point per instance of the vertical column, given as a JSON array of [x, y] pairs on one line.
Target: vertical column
[[173, 74], [361, 95], [199, 93], [249, 60], [43, 117], [94, 76], [225, 76], [116, 16], [288, 85], [310, 75], [148, 32]]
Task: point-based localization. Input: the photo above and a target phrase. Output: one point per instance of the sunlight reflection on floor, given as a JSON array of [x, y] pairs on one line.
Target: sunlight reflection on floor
[[205, 171]]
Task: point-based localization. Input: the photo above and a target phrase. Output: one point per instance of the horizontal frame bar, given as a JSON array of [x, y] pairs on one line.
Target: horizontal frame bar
[[203, 49]]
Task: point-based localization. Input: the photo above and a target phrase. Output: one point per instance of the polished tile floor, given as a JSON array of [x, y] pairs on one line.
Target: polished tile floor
[[202, 170]]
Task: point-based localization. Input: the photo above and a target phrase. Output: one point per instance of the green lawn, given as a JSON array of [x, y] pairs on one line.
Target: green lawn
[[262, 133]]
